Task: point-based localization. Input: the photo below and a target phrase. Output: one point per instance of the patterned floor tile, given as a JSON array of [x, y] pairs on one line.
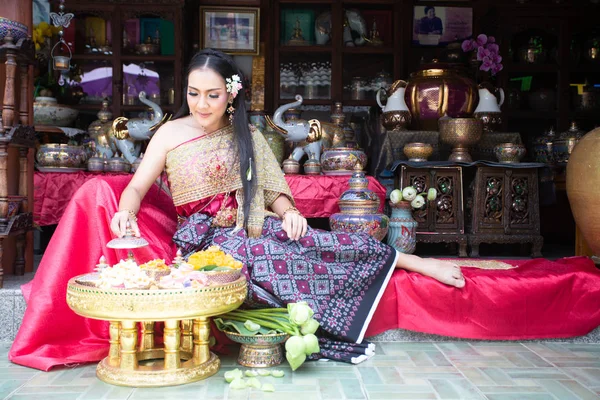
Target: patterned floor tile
[[330, 389], [455, 389], [566, 391], [9, 386], [521, 396], [421, 370], [590, 377], [103, 391]]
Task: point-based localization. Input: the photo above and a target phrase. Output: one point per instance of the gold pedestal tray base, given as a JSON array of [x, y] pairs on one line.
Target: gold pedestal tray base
[[257, 356], [155, 375]]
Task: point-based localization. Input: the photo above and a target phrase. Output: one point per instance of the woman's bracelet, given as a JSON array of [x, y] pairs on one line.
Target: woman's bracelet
[[131, 215], [290, 209]]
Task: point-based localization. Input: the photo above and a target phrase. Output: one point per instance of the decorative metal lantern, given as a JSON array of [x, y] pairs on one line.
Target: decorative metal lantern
[[60, 62]]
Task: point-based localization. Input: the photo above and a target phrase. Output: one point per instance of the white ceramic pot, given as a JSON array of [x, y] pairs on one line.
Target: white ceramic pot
[[47, 111]]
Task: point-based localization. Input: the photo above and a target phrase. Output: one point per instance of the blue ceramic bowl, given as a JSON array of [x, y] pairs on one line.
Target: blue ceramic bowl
[[17, 29]]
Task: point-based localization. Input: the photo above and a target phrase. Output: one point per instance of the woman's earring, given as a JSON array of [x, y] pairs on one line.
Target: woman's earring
[[230, 110]]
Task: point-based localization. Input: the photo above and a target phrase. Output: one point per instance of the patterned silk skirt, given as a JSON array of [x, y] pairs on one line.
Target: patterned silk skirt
[[340, 275]]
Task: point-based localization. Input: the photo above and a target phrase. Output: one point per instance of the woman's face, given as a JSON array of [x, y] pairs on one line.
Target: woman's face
[[431, 13], [208, 99]]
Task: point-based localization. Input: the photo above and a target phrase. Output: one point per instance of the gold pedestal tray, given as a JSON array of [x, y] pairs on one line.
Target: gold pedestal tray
[[185, 356]]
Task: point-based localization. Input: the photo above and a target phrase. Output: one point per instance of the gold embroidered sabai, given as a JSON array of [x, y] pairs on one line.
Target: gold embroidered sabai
[[210, 165]]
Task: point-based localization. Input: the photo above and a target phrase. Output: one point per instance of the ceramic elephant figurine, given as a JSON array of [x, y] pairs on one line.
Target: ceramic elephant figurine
[[312, 136], [128, 133], [355, 28]]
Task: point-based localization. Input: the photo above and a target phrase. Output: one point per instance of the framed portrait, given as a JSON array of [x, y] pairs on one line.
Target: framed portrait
[[233, 30], [438, 25]]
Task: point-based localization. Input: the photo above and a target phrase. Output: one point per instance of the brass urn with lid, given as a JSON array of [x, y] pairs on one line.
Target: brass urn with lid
[[359, 209]]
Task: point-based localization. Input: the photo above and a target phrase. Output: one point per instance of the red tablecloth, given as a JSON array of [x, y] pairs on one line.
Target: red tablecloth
[[316, 196]]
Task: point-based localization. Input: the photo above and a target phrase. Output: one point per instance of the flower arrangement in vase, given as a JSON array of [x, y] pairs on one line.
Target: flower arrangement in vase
[[402, 233], [486, 51]]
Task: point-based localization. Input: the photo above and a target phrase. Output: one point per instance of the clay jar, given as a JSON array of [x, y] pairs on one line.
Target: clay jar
[[583, 188]]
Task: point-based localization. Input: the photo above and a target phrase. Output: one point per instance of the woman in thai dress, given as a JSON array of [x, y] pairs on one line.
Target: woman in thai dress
[[228, 190]]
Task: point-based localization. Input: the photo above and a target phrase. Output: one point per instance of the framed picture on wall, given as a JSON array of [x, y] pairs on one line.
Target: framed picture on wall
[[438, 25], [234, 30]]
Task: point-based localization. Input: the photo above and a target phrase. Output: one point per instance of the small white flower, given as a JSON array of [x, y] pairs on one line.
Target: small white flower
[[234, 85], [418, 202], [396, 196], [409, 193]]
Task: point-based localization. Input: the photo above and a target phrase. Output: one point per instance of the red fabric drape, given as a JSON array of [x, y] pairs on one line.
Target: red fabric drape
[[316, 196], [539, 299]]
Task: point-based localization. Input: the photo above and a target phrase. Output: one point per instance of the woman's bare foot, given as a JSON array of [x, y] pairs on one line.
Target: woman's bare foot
[[444, 271]]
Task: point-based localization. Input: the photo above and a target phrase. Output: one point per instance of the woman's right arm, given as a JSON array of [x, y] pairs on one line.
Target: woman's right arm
[[151, 167]]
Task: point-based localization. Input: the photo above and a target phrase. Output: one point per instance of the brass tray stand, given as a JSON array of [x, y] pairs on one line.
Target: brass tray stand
[[185, 356]]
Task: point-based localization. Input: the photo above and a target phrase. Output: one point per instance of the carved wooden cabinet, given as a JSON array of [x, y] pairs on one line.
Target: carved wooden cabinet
[[505, 208], [15, 131], [443, 220]]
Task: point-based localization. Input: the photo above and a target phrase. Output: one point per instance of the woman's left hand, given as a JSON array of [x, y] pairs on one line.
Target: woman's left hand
[[294, 224]]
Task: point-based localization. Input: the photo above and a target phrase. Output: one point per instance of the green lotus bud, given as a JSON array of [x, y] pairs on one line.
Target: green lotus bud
[[295, 345], [396, 196], [431, 194], [299, 312], [409, 193], [251, 326], [277, 373], [254, 383], [264, 372], [267, 387], [312, 344], [250, 373], [233, 374], [309, 326], [418, 202], [238, 383], [295, 361]]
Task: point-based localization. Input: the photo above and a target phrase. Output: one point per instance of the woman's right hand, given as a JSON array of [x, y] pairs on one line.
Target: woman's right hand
[[119, 223]]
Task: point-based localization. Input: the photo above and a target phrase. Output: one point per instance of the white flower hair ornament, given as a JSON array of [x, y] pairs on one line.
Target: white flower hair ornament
[[233, 84]]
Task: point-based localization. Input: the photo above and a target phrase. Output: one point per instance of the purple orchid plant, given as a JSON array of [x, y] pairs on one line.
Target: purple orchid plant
[[488, 52]]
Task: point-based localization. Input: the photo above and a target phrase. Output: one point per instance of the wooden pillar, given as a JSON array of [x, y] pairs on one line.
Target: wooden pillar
[[18, 11]]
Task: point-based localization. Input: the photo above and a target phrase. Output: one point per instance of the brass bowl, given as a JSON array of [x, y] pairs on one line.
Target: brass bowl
[[60, 155], [460, 133], [222, 277], [418, 151], [509, 152], [259, 350]]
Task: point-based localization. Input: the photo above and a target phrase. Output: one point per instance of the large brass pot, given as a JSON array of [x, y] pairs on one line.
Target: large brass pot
[[439, 89], [583, 188]]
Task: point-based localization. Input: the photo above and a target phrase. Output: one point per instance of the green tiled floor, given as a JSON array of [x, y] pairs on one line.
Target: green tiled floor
[[400, 370]]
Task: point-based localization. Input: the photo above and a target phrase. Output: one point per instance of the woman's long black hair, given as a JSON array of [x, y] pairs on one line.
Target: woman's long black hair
[[224, 65]]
